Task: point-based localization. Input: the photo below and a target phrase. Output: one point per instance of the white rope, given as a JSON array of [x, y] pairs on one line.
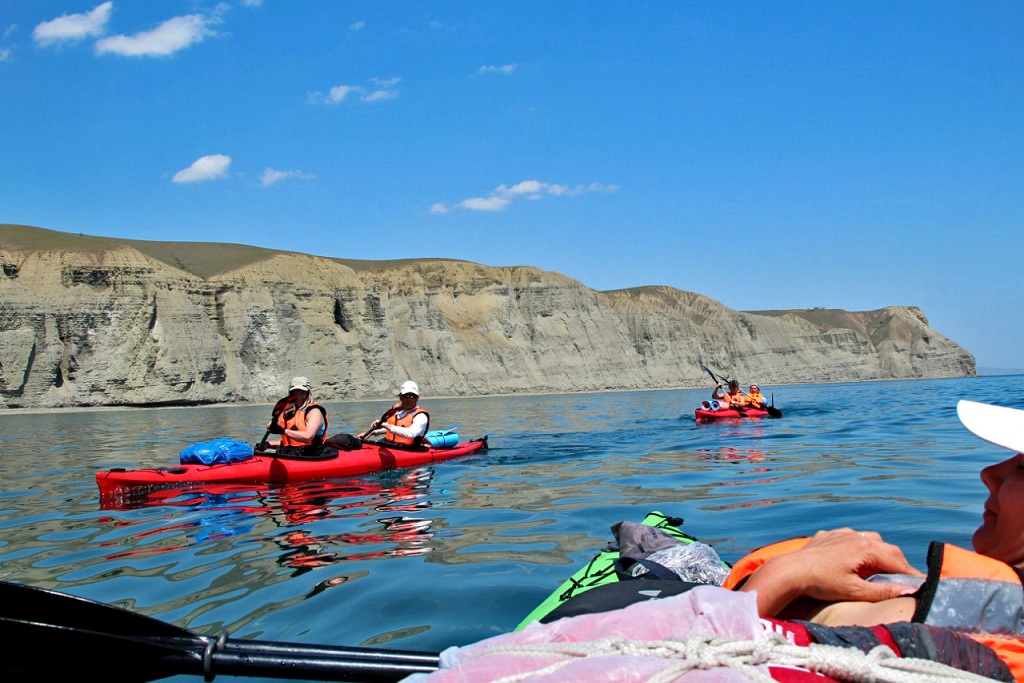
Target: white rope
[[880, 665]]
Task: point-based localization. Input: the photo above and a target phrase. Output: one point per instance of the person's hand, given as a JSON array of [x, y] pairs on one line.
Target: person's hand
[[260, 447], [832, 566], [275, 428], [850, 557]]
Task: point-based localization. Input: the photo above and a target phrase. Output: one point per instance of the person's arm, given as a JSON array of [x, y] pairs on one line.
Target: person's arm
[[714, 392], [417, 428], [377, 426], [830, 568]]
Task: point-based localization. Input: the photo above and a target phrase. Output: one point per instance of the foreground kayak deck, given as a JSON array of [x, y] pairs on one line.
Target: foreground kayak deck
[[370, 458], [601, 569]]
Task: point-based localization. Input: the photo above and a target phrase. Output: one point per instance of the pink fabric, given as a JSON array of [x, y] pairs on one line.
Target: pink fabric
[[706, 610]]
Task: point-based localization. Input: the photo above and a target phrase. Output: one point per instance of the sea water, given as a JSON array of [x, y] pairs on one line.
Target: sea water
[[449, 554]]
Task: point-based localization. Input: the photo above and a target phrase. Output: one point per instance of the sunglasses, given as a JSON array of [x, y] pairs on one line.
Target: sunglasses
[[407, 396]]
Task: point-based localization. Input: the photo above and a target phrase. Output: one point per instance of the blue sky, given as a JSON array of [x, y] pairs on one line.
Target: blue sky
[[770, 155]]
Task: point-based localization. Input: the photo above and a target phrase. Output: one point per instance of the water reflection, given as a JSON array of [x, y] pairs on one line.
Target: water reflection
[[297, 511]]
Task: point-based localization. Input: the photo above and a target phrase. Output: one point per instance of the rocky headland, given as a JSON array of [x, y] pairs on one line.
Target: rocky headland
[[94, 321]]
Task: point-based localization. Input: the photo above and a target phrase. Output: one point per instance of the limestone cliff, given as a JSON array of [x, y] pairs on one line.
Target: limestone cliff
[[90, 321]]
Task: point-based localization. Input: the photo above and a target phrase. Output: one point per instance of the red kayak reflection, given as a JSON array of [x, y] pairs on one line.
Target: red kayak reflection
[[306, 552], [296, 509]]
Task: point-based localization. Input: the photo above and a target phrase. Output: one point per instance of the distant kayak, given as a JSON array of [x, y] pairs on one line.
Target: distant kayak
[[714, 410], [703, 415], [371, 457]]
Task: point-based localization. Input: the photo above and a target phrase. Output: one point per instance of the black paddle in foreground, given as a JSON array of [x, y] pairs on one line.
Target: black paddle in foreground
[[83, 637], [772, 410]]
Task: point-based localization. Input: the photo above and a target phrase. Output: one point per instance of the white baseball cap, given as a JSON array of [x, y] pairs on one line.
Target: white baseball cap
[[300, 383], [409, 387], [996, 424]]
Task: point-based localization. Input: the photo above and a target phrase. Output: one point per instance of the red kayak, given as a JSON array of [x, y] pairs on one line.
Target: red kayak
[[728, 413], [261, 469]]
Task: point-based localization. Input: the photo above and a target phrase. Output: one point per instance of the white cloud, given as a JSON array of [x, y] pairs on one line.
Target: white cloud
[[69, 28], [505, 69], [6, 53], [357, 26], [169, 37], [378, 95], [271, 176], [385, 91], [533, 190], [492, 203], [339, 93], [209, 167], [439, 207]]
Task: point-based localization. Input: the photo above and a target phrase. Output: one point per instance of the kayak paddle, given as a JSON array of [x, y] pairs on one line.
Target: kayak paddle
[[83, 636], [387, 413], [261, 445], [714, 377]]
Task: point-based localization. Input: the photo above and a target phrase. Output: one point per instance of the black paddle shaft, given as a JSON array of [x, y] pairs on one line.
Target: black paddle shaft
[[715, 378], [129, 647]]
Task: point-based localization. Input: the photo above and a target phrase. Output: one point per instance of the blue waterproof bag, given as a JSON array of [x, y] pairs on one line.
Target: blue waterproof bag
[[219, 451], [442, 438]]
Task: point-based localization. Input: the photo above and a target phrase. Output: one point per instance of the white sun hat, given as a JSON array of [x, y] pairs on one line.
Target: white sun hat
[[996, 424], [301, 383], [409, 387]]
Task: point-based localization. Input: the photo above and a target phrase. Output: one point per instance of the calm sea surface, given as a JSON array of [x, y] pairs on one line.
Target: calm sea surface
[[459, 551]]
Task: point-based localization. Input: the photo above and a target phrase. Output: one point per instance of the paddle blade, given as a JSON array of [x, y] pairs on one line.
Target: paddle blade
[[90, 637], [19, 602], [85, 636], [708, 370], [121, 659]]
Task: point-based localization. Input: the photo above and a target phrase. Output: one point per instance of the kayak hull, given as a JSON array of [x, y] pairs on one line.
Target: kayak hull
[[269, 469], [727, 414]]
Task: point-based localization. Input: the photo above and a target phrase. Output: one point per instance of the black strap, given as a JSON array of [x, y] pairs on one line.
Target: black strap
[[310, 452], [624, 568], [612, 596]]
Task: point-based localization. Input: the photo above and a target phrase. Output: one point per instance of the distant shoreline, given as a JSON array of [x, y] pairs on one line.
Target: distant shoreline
[[986, 372]]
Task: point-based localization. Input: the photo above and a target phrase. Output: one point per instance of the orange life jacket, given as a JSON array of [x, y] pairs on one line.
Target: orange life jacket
[[736, 400], [755, 399], [297, 421], [965, 592], [406, 421], [978, 596]]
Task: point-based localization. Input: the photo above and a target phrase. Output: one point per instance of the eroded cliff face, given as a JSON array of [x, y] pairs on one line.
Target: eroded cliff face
[[116, 327]]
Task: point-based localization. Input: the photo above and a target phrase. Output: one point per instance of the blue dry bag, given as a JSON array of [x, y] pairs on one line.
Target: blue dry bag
[[442, 438], [216, 452]]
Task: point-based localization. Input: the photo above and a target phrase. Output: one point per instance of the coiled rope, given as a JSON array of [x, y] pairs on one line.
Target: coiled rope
[[880, 665]]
